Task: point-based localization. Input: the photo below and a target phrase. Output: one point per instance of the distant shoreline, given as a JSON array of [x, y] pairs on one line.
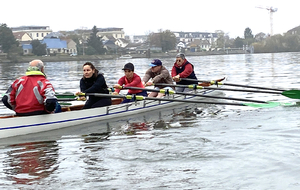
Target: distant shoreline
[[60, 58]]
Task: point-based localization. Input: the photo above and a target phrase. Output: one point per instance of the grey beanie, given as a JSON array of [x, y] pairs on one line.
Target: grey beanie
[[180, 55]]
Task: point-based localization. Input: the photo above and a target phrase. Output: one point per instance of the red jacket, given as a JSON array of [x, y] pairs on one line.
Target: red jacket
[[134, 82], [187, 71], [29, 93]]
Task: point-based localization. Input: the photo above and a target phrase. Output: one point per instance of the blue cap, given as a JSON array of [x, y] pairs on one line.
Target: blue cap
[[155, 62]]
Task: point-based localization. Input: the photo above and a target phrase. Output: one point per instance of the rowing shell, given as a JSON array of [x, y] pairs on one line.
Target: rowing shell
[[15, 126]]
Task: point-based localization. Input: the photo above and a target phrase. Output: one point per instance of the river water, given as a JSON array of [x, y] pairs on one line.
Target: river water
[[189, 147]]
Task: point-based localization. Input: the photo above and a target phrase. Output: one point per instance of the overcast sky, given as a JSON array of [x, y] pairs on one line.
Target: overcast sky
[[139, 17]]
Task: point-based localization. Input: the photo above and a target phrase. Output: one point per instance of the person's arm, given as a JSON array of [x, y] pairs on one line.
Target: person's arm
[[147, 76], [49, 96], [173, 72], [163, 75], [9, 98], [97, 86], [120, 83], [135, 81], [82, 85], [5, 101]]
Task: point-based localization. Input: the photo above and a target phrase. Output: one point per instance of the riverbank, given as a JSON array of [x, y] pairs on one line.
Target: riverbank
[[59, 58]]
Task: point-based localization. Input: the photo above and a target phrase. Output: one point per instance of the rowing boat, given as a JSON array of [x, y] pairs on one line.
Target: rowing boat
[[73, 115]]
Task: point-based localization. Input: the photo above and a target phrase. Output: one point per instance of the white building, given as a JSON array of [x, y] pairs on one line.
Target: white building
[[35, 32]]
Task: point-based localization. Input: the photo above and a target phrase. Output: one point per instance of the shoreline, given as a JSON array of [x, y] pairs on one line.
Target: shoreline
[[59, 58]]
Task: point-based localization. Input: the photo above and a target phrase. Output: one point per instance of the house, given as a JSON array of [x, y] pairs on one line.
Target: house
[[55, 45], [139, 38], [180, 45], [58, 43], [188, 37], [121, 42], [22, 36], [24, 40], [27, 49], [198, 45], [115, 32], [110, 46], [295, 30], [71, 46], [35, 32]]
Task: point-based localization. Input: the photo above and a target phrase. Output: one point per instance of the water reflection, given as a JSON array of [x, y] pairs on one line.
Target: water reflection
[[29, 162], [161, 120]]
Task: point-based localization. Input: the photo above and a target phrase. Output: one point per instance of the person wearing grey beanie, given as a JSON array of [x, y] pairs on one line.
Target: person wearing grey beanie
[[183, 69], [180, 55]]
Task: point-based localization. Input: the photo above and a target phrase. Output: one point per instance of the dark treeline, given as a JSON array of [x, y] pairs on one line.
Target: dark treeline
[[165, 40]]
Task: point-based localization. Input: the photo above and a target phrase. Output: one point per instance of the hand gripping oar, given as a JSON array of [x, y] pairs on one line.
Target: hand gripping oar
[[294, 94], [231, 84], [167, 92], [136, 98]]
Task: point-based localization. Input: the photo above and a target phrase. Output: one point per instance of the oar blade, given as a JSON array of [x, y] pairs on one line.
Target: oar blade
[[294, 94], [268, 105]]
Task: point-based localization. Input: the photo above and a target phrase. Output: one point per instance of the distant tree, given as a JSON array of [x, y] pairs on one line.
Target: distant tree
[[7, 40], [248, 33], [95, 42], [274, 44], [238, 42], [90, 51], [291, 42], [38, 48], [221, 40], [229, 42], [249, 39], [168, 40], [164, 39]]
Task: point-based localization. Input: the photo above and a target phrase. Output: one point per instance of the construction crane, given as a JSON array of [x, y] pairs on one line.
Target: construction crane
[[271, 11]]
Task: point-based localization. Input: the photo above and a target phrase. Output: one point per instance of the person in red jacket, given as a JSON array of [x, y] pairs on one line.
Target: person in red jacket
[[183, 69], [31, 94], [130, 80]]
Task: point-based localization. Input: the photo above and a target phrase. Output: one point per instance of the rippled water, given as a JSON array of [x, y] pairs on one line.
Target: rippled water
[[188, 147]]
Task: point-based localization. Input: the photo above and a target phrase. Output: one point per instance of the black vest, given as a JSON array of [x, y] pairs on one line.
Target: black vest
[[191, 76]]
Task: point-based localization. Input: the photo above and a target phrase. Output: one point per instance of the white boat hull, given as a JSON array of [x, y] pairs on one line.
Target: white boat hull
[[15, 126]]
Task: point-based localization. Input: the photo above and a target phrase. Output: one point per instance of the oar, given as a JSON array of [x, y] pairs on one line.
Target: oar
[[135, 97], [164, 91], [231, 84], [295, 94]]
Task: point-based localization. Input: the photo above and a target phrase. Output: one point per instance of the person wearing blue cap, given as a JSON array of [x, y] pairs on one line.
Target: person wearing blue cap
[[159, 74]]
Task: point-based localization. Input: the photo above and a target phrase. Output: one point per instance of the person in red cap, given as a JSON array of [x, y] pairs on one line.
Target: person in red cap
[[130, 79], [32, 94], [158, 74]]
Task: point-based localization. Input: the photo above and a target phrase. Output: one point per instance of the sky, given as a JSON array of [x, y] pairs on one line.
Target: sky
[[141, 17]]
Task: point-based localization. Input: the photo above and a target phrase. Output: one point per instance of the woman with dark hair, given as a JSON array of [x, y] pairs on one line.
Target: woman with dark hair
[[93, 82]]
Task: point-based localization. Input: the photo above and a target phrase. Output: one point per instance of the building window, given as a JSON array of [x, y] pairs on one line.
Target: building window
[[37, 35], [42, 34]]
